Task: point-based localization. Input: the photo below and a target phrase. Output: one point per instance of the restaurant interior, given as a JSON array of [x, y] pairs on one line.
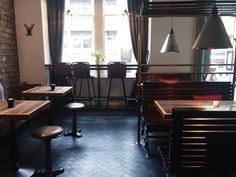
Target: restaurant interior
[[117, 88]]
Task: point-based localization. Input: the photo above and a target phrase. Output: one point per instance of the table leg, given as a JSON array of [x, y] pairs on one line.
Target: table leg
[[14, 151], [51, 120]]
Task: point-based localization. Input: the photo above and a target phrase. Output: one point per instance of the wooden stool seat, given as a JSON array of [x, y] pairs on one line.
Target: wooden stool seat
[[47, 133], [74, 107]]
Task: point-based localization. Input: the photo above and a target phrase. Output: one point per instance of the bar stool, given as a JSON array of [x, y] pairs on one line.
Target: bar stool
[[74, 107], [82, 71], [116, 70], [47, 133]]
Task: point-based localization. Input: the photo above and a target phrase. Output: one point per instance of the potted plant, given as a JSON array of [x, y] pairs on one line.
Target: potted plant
[[99, 56]]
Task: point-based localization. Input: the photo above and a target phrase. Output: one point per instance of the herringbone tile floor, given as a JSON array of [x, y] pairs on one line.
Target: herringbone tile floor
[[107, 148]]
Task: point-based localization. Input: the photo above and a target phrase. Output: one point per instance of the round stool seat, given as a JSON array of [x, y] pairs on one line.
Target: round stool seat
[[47, 132], [74, 106]]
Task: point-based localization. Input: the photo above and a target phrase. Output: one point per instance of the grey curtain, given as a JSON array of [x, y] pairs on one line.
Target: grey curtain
[[55, 10], [134, 22]]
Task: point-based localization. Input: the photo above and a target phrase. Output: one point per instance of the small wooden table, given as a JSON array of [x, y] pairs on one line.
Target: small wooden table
[[22, 110], [47, 93], [165, 106]]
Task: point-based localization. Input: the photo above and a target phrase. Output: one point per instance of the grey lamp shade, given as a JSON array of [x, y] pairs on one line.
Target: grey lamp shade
[[170, 44], [213, 34]]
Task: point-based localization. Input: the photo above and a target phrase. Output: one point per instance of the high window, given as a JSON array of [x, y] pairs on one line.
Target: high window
[[225, 56], [96, 24]]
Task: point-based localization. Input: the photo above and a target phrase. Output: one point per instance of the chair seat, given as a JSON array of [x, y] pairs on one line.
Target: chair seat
[[47, 132], [74, 106]]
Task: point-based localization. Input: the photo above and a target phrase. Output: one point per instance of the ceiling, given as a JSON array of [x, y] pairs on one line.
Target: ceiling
[[187, 8]]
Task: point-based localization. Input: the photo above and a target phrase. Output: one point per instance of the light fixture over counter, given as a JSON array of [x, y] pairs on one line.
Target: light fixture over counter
[[170, 44], [213, 34]]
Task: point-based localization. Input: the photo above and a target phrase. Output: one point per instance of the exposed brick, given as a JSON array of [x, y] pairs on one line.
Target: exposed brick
[[9, 67]]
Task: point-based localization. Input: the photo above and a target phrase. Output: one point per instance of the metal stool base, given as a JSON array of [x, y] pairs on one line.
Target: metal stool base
[[76, 134], [52, 173]]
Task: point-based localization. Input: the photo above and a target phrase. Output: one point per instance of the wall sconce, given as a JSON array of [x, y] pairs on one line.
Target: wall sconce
[[29, 29]]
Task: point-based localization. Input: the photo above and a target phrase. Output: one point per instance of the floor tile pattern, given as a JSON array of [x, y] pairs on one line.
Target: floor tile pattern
[[107, 149]]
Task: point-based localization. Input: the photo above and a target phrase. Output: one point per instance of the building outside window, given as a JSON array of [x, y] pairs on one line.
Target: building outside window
[[225, 56], [96, 24]]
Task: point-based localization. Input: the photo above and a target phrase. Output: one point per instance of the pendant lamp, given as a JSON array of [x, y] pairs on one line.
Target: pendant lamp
[[213, 34], [170, 44]]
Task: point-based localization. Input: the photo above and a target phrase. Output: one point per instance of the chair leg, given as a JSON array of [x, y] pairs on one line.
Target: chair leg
[[109, 91], [146, 144], [81, 83], [74, 85], [90, 102], [123, 84], [94, 95]]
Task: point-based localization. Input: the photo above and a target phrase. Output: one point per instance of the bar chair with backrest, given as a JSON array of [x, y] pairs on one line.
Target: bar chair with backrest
[[116, 70], [82, 71], [60, 73]]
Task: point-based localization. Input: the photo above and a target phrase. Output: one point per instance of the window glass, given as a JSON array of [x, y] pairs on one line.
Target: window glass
[[80, 30], [224, 56], [117, 40], [78, 41]]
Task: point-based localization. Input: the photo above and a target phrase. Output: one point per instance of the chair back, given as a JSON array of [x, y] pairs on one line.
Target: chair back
[[60, 73], [116, 70], [202, 141], [81, 69]]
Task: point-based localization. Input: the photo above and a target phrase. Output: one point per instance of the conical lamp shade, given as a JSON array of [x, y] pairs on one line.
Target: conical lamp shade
[[213, 34], [170, 44]]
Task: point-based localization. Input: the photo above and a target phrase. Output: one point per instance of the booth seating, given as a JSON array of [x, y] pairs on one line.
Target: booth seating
[[153, 123], [117, 70], [82, 71], [202, 143], [74, 107], [47, 133]]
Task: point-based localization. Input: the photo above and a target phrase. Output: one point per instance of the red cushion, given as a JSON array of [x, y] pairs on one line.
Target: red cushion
[[207, 97], [168, 80]]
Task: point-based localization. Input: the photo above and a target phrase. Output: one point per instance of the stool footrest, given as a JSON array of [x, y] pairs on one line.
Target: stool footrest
[[74, 134]]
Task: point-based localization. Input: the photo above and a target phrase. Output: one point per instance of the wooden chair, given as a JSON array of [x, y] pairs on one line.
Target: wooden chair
[[202, 143]]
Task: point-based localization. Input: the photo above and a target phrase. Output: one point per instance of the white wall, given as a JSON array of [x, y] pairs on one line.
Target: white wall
[[184, 28], [31, 49]]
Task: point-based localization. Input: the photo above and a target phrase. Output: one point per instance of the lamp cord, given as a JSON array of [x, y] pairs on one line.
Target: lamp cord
[[171, 20]]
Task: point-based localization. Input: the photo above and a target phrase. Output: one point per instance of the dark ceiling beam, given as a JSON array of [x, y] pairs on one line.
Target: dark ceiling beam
[[187, 8]]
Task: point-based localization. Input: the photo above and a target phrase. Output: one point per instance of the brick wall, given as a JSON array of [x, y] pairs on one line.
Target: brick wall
[[9, 68]]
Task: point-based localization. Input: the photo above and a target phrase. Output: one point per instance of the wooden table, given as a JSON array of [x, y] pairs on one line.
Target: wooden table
[[46, 93], [165, 106], [22, 110]]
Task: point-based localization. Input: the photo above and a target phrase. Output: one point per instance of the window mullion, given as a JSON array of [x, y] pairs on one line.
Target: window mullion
[[99, 25]]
